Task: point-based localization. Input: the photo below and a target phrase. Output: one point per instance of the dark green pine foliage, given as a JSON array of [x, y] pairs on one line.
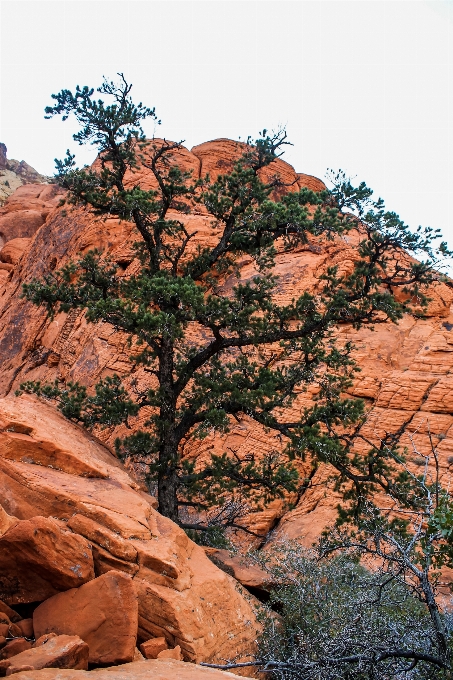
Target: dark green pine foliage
[[253, 355]]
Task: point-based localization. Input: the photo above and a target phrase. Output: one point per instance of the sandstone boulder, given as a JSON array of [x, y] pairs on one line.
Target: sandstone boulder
[[26, 628], [10, 613], [158, 669], [152, 648], [174, 653], [183, 597], [63, 651], [103, 612], [248, 574], [15, 647], [39, 559]]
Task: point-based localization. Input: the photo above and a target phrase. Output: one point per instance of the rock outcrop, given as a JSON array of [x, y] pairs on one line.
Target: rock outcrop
[[61, 651], [406, 368], [77, 515], [103, 612], [14, 174], [38, 559]]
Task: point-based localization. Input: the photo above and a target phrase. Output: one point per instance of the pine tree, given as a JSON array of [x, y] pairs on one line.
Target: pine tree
[[253, 354]]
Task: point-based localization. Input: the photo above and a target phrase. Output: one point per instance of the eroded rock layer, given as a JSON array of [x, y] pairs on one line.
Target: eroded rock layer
[[70, 514], [406, 369]]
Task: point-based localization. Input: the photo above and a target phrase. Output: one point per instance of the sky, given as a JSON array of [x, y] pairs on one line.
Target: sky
[[362, 85]]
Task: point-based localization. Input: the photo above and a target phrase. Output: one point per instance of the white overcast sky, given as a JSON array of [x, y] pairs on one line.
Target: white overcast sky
[[363, 85]]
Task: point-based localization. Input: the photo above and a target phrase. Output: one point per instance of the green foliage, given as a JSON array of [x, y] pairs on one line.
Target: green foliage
[[339, 620], [212, 537], [253, 355]]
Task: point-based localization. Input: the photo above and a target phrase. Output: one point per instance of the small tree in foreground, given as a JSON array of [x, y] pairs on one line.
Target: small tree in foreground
[[339, 619], [252, 355]]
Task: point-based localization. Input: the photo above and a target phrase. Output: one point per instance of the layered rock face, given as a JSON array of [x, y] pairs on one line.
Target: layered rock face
[[406, 369], [80, 536]]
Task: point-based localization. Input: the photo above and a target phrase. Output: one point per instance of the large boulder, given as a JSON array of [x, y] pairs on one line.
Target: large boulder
[[155, 669], [103, 612], [38, 559], [53, 469], [62, 651]]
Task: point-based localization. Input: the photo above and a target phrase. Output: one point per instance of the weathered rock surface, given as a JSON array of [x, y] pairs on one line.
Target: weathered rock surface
[[62, 651], [39, 559], [13, 250], [406, 374], [103, 612], [14, 647], [63, 481], [152, 648], [26, 210], [174, 653], [158, 669]]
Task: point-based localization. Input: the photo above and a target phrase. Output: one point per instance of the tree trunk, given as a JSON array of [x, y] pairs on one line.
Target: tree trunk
[[167, 485], [441, 633], [167, 479]]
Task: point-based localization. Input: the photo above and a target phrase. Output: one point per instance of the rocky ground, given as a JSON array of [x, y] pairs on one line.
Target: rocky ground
[[90, 574]]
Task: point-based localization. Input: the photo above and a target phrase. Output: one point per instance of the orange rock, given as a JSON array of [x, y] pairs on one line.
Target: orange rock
[[62, 651], [174, 653], [13, 250], [10, 613], [405, 379], [310, 182], [152, 648], [38, 559], [183, 596], [104, 537], [218, 156], [249, 575], [6, 522], [14, 647], [44, 638], [104, 613], [20, 224], [26, 627], [157, 669], [138, 656]]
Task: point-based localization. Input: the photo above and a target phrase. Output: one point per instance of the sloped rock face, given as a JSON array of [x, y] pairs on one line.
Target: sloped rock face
[[158, 669], [61, 481], [406, 374]]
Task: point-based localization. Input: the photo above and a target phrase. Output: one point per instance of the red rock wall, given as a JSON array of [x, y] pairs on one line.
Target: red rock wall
[[406, 368]]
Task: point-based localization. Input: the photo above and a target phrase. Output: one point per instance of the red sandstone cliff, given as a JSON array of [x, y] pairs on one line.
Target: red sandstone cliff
[[406, 374]]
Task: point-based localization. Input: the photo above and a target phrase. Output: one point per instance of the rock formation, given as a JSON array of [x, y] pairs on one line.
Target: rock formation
[[405, 368], [66, 501], [14, 174], [87, 542]]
